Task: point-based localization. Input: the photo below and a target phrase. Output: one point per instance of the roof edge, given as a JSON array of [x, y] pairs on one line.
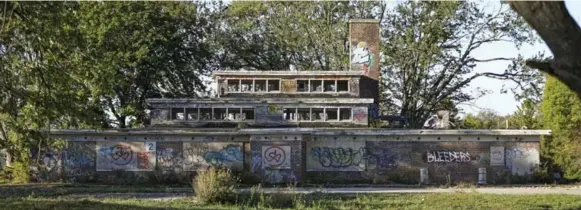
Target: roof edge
[[279, 131]]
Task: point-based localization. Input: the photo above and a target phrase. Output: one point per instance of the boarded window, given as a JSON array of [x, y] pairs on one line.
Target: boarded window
[[246, 85], [316, 86], [289, 114], [259, 85], [345, 114], [205, 113], [317, 114], [332, 114], [304, 114], [342, 85], [233, 85], [273, 85], [192, 114], [302, 85], [330, 85], [177, 114], [220, 114], [247, 114]]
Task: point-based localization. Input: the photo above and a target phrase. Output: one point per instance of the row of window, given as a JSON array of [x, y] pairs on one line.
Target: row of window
[[317, 114], [237, 85], [228, 114], [242, 114]]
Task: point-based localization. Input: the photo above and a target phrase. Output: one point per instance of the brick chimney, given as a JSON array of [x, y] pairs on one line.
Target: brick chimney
[[364, 47]]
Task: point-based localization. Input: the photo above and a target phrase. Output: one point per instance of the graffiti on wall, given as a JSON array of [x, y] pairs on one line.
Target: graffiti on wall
[[79, 161], [169, 158], [362, 57], [46, 166], [497, 156], [200, 156], [351, 159], [276, 157], [127, 156], [521, 160], [360, 114], [339, 158], [447, 157]]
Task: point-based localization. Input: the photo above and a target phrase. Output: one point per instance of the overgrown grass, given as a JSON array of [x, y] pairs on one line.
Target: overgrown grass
[[214, 186], [316, 201]]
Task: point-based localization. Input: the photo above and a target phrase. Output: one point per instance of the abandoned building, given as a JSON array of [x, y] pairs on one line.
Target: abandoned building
[[292, 126]]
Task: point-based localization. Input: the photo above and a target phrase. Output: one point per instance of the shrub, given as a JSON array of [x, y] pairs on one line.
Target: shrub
[[214, 186], [20, 173]]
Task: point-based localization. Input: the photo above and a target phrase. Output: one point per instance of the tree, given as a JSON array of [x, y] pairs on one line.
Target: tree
[[561, 110], [138, 50], [527, 116], [429, 53], [562, 35], [41, 85], [486, 119], [276, 35]]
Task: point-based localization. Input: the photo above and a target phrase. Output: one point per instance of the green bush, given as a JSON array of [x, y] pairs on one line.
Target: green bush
[[20, 173], [214, 186]]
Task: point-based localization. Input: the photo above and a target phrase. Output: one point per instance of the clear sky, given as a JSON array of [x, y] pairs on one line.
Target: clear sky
[[505, 103]]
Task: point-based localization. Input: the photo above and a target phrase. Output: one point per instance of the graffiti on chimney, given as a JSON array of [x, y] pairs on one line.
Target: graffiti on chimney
[[362, 56]]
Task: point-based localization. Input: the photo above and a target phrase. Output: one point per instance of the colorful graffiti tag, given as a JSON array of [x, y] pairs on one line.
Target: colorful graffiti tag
[[127, 156], [200, 156], [362, 57]]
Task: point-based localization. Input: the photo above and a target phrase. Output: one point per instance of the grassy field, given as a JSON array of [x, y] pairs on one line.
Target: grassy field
[[315, 201]]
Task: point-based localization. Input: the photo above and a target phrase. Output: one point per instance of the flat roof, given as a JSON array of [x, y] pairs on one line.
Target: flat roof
[[288, 131], [249, 100], [284, 73]]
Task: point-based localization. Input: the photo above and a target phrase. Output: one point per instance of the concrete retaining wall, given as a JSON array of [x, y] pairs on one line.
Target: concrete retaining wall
[[292, 158]]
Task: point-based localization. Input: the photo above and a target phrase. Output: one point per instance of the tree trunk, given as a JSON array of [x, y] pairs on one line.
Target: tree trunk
[[562, 35]]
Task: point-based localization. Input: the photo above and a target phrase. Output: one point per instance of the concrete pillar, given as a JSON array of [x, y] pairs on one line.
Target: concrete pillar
[[482, 176], [424, 178]]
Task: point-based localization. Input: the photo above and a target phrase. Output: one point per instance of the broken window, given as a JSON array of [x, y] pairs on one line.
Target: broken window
[[220, 114], [302, 85], [177, 114], [192, 114], [259, 85], [304, 114], [345, 114], [331, 114], [247, 114], [233, 85], [273, 85], [233, 114], [342, 85], [205, 113], [246, 85], [289, 114], [330, 86], [316, 86], [317, 114]]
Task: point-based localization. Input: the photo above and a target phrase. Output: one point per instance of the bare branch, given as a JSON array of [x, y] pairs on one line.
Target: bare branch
[[492, 59]]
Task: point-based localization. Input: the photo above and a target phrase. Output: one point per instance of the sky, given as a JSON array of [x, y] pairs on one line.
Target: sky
[[505, 103]]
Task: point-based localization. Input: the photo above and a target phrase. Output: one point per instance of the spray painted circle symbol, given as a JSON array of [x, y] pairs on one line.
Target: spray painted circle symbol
[[274, 156]]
